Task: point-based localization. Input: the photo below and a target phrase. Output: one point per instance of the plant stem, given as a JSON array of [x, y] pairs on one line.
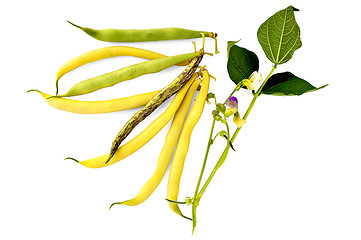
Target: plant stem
[[210, 141], [223, 157]]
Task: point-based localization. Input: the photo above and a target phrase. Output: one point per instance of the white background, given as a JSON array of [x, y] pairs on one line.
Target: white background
[[296, 171]]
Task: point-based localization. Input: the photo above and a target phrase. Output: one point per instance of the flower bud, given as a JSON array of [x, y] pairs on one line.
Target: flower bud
[[223, 134], [210, 95], [220, 107], [216, 116]]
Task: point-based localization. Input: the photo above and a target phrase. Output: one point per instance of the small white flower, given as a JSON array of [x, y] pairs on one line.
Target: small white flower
[[254, 81]]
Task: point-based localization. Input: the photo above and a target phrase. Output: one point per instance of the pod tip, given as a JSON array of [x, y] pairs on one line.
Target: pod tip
[[74, 24], [33, 90], [71, 159], [114, 204]]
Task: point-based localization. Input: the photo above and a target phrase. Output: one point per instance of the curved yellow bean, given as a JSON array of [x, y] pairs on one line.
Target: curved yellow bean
[[93, 107], [106, 52], [167, 151], [183, 144], [145, 136]]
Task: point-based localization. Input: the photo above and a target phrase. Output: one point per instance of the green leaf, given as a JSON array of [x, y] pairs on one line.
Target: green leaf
[[287, 84], [241, 63], [230, 44], [279, 36]]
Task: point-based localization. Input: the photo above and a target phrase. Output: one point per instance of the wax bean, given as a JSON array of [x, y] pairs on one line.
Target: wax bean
[[94, 107], [167, 151], [145, 136], [180, 153]]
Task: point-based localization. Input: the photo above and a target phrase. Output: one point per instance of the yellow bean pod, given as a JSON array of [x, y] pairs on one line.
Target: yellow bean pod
[[183, 144], [167, 151], [94, 107], [106, 52], [145, 136]]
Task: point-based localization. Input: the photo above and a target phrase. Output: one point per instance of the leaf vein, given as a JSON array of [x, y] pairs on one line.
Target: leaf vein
[[296, 41], [279, 48]]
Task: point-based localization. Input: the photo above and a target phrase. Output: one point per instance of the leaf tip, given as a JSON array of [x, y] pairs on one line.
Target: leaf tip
[[295, 9], [323, 86]]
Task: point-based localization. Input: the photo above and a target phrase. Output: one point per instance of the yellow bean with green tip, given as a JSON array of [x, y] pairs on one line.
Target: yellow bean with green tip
[[94, 107], [183, 144], [106, 52], [127, 73], [167, 151], [145, 136]]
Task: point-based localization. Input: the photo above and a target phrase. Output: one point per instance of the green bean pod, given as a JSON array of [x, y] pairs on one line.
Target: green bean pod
[[106, 52], [143, 35], [127, 73]]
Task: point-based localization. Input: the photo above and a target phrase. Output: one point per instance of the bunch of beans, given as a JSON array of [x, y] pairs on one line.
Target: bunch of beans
[[184, 87]]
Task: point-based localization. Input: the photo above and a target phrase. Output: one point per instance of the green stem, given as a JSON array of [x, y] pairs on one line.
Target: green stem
[[230, 95], [214, 139], [206, 155], [210, 141], [223, 157]]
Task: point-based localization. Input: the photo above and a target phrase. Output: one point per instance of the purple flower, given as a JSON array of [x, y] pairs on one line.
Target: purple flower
[[233, 98], [232, 103]]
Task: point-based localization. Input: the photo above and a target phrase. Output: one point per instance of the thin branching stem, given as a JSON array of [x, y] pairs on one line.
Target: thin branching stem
[[223, 157]]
